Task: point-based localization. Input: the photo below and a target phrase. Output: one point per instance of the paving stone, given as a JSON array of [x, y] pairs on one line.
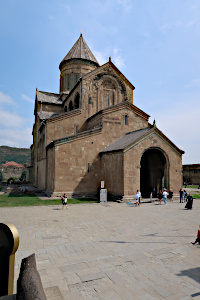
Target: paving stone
[[116, 278], [53, 293], [92, 276], [114, 249], [107, 292]]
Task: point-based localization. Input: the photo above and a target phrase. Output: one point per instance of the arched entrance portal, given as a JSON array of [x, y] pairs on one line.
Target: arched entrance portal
[[153, 171]]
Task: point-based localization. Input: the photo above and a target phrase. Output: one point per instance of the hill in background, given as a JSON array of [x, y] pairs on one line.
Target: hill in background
[[20, 155]]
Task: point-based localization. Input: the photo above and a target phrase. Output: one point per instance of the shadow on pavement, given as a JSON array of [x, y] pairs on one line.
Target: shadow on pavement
[[192, 273]]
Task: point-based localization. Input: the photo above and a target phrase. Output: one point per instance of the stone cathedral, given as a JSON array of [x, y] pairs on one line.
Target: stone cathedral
[[91, 132]]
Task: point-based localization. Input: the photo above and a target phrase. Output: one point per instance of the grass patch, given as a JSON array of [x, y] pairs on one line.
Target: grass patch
[[1, 188], [196, 196], [191, 186], [10, 200]]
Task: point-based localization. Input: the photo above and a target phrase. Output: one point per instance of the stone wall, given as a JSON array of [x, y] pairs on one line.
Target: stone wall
[[112, 170], [64, 125], [191, 173], [12, 171], [74, 158], [51, 170], [41, 174]]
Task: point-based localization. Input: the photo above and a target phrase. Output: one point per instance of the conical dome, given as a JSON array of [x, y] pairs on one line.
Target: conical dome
[[78, 62], [80, 50]]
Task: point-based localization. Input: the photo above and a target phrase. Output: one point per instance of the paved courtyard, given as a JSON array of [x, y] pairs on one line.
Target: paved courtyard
[[113, 251]]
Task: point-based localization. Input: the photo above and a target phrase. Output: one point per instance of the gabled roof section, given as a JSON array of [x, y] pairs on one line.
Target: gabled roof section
[[44, 115], [110, 63], [46, 97], [126, 140], [80, 50], [130, 138], [119, 106]]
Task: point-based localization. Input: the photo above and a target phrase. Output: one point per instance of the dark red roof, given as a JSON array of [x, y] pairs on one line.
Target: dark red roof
[[13, 164]]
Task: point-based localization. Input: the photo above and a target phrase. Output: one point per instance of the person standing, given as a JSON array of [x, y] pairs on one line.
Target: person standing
[[139, 193], [181, 195], [154, 192], [64, 201], [160, 196], [165, 194], [151, 195], [170, 195], [185, 195]]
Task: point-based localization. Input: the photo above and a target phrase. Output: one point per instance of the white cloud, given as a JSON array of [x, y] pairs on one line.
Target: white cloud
[[182, 126], [117, 59], [67, 7], [103, 57], [51, 17], [179, 24], [27, 98], [13, 120], [21, 138], [126, 5], [195, 83], [5, 99], [191, 23], [100, 56]]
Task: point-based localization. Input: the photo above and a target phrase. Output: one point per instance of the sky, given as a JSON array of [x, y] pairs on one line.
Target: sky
[[155, 44]]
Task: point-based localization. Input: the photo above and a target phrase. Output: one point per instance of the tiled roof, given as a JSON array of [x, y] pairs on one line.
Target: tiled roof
[[127, 139], [44, 115], [46, 97], [80, 50], [13, 164]]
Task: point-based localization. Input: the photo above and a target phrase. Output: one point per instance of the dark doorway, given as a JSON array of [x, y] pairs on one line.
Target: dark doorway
[[153, 172]]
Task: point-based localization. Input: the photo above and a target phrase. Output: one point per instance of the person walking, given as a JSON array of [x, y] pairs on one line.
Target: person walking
[[181, 195], [160, 196], [189, 202], [198, 237], [165, 194]]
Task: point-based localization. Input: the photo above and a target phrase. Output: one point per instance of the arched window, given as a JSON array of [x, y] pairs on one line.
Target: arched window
[[70, 106], [76, 101]]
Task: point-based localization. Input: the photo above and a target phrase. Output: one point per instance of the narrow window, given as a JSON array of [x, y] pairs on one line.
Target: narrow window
[[88, 168], [108, 101], [76, 129], [126, 120], [68, 81]]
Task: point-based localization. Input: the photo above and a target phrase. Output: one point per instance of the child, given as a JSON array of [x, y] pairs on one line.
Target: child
[[64, 201], [137, 199], [198, 237]]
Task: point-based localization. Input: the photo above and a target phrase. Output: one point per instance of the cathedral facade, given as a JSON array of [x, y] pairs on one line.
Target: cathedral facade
[[91, 132]]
